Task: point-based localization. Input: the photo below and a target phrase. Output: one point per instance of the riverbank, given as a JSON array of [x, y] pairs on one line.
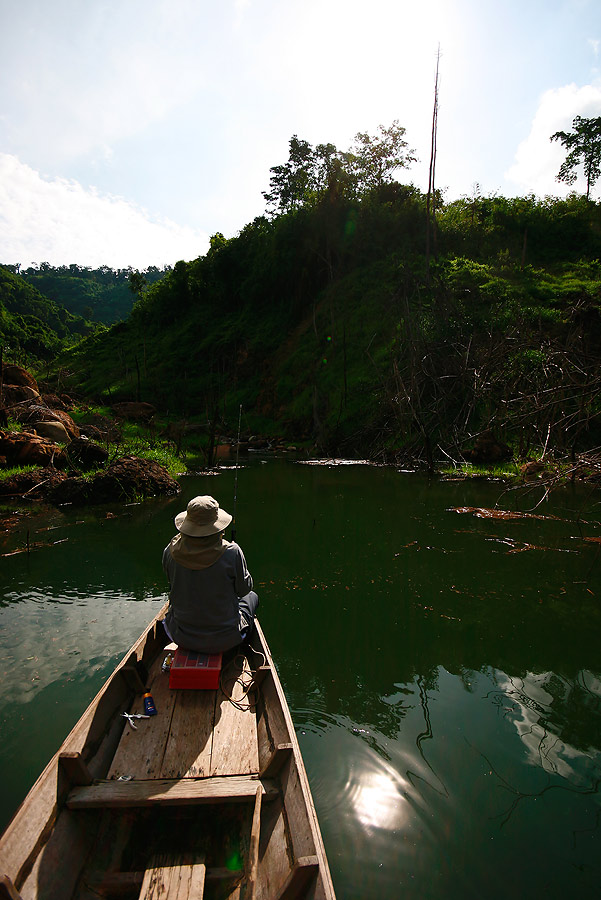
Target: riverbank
[[59, 450]]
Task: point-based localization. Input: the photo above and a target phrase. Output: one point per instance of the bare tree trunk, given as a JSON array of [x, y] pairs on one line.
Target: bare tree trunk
[[138, 386], [431, 197]]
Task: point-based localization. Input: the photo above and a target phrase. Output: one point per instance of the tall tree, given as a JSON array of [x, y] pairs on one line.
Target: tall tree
[[376, 157], [584, 149], [137, 283], [291, 184], [312, 173]]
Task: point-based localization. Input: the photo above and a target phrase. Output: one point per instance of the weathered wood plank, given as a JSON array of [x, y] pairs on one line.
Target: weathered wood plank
[[302, 872], [265, 744], [235, 734], [175, 881], [275, 850], [188, 751], [282, 762], [113, 884], [74, 767], [253, 850], [132, 677], [170, 792], [301, 834], [58, 866], [297, 793], [279, 755], [260, 674], [278, 728], [141, 749]]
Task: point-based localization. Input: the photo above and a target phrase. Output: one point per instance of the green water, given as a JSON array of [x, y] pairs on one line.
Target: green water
[[443, 670]]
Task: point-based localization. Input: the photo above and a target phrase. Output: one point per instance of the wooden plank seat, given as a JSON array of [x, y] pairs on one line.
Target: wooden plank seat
[[174, 879], [170, 792]]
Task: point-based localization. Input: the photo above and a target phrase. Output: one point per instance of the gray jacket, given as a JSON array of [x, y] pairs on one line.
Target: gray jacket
[[203, 612]]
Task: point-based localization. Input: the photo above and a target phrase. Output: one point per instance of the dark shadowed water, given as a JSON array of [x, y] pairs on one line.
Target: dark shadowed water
[[443, 670]]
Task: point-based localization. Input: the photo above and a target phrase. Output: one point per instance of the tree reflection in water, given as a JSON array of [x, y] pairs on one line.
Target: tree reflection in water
[[558, 721]]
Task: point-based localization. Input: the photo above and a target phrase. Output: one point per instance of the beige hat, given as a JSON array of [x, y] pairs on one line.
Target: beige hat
[[202, 517]]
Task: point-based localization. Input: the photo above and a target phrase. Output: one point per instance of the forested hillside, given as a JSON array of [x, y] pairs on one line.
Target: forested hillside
[[32, 327], [99, 295], [347, 317]]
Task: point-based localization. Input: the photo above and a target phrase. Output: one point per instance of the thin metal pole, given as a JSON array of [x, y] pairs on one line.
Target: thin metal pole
[[236, 475]]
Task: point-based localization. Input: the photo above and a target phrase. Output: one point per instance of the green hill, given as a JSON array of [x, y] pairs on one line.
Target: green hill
[[32, 327], [330, 322], [99, 295]]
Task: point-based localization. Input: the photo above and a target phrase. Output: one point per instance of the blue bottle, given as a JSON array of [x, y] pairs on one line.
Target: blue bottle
[[149, 707]]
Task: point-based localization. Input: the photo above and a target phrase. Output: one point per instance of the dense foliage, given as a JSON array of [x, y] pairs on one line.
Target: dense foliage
[[326, 323], [99, 295], [314, 172], [32, 327]]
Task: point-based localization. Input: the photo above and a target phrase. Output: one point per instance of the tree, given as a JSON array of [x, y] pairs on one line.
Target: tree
[[584, 146], [376, 158], [137, 283], [217, 241], [314, 173], [291, 184]]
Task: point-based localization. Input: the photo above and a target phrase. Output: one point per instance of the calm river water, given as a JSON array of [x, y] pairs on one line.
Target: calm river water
[[443, 670]]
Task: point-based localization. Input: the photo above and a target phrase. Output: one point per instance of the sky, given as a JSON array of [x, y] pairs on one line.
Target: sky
[[132, 130]]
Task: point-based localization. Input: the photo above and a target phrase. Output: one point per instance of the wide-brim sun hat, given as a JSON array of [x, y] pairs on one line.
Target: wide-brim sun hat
[[203, 516]]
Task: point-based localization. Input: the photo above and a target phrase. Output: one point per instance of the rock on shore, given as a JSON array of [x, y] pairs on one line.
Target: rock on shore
[[51, 441]]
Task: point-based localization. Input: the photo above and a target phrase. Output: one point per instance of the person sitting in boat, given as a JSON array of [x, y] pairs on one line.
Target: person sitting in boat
[[211, 602]]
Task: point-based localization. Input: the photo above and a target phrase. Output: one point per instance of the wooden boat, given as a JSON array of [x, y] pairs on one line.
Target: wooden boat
[[209, 798]]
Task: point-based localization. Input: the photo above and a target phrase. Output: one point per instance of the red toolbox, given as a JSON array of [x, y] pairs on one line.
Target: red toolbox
[[195, 670]]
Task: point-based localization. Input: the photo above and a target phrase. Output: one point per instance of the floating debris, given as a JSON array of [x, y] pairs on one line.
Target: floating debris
[[504, 514], [520, 546], [36, 545], [337, 462]]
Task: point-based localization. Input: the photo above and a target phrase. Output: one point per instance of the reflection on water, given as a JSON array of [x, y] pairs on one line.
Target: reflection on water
[[557, 721], [446, 692], [44, 642], [377, 800], [441, 807]]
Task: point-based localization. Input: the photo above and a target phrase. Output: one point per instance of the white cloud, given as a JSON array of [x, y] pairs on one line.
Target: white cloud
[[59, 221], [102, 75], [538, 716], [538, 159], [240, 7]]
